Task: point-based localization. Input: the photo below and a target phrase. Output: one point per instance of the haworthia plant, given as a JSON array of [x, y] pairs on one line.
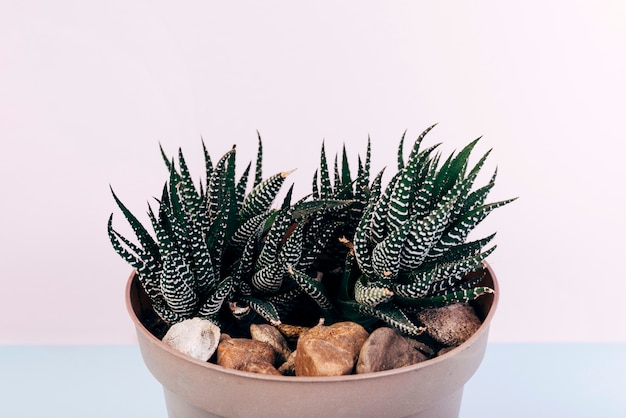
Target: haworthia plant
[[219, 246], [410, 246], [352, 249]]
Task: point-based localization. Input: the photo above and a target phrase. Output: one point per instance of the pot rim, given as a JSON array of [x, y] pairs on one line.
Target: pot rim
[[140, 328]]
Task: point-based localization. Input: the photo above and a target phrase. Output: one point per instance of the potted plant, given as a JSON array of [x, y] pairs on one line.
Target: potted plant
[[353, 251]]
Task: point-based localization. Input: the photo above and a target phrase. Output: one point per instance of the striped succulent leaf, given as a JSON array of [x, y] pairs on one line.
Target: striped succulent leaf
[[267, 310], [337, 176], [251, 227], [291, 250], [213, 304], [261, 197], [424, 235], [318, 235], [400, 198], [274, 238], [416, 146], [216, 181], [401, 152], [258, 168], [268, 279], [439, 288], [417, 288], [186, 188], [371, 294], [378, 226], [454, 270], [202, 264], [363, 191], [166, 313], [146, 267], [285, 300], [311, 287], [177, 285], [244, 266], [440, 277], [346, 178], [144, 237], [361, 242], [376, 187], [325, 189], [240, 188], [458, 232], [393, 316], [303, 210], [386, 254], [461, 251], [477, 197], [315, 190], [460, 296]]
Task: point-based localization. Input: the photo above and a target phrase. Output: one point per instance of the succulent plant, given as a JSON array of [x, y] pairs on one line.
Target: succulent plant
[[409, 250], [349, 249], [223, 246]]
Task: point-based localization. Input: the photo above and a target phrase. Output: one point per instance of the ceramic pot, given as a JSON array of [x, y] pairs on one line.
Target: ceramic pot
[[196, 389]]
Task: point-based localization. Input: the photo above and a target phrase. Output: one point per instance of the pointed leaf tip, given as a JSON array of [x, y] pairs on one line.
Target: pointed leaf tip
[[284, 174]]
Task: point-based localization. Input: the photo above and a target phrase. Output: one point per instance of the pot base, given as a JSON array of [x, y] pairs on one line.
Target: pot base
[[178, 407]]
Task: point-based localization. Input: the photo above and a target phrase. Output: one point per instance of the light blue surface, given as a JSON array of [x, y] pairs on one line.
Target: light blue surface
[[515, 380], [548, 380]]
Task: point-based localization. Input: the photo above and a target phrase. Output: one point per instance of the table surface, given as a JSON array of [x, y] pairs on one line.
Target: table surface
[[522, 380]]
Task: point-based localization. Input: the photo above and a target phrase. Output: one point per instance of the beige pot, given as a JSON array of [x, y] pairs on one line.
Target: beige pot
[[195, 389]]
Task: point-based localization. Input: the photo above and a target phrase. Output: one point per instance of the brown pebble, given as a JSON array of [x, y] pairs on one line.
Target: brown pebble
[[450, 325], [269, 334], [235, 353], [260, 367], [329, 350], [288, 368], [386, 349]]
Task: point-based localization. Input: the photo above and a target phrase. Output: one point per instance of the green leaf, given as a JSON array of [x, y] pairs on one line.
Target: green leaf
[[265, 309], [145, 239], [371, 294], [215, 301], [416, 146], [311, 287], [258, 173], [361, 241], [459, 230], [208, 164], [303, 210], [177, 285], [401, 152], [461, 296], [292, 248], [393, 316], [423, 235], [261, 197], [269, 278], [325, 187], [386, 254]]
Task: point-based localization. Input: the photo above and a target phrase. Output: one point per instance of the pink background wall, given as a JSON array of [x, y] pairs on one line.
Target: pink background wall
[[88, 91]]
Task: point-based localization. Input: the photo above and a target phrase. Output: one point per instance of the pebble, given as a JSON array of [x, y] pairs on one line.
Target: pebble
[[288, 368], [329, 350], [235, 353], [450, 325], [261, 367], [195, 337], [269, 334], [386, 349]]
